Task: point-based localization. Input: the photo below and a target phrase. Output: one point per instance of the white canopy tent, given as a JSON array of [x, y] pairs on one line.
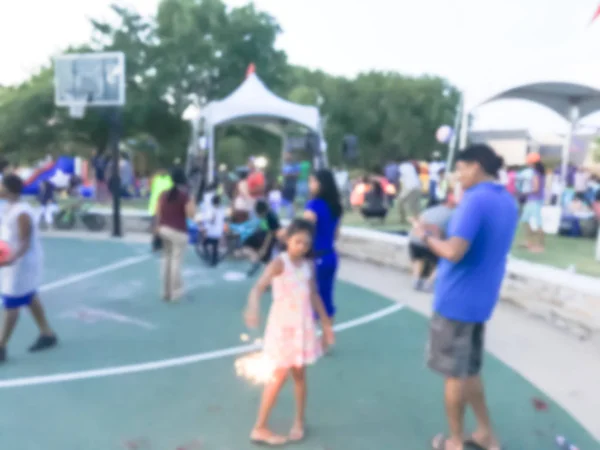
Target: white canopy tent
[[572, 101], [252, 103]]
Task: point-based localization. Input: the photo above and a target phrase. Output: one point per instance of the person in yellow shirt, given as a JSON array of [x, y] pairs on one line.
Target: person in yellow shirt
[[160, 182]]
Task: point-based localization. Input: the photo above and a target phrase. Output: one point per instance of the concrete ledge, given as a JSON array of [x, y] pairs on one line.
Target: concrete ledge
[[132, 220], [565, 300]]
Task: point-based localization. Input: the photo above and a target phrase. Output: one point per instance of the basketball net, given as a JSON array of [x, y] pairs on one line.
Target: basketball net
[[77, 110]]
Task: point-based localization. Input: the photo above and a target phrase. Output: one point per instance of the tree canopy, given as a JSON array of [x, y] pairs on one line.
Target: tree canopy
[[200, 49]]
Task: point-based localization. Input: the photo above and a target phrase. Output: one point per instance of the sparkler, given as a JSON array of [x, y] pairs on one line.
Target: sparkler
[[256, 367]]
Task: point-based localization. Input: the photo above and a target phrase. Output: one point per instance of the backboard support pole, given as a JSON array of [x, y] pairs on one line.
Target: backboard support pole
[[115, 120], [96, 80]]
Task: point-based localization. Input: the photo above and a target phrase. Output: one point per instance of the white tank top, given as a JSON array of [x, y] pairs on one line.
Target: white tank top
[[214, 222], [24, 275]]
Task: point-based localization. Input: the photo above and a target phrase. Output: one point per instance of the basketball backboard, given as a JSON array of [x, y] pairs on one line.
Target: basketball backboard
[[89, 80]]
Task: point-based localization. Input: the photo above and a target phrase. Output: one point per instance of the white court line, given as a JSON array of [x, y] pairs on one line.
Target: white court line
[[174, 362], [76, 278]]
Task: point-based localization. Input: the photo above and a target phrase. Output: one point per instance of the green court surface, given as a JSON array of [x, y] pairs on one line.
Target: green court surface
[[134, 373]]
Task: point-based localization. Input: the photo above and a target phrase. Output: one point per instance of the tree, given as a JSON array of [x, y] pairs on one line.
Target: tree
[[194, 50], [393, 116], [149, 108], [204, 50], [25, 112], [304, 95], [198, 50]]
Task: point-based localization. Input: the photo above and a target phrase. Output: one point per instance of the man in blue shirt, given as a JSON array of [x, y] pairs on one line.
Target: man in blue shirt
[[472, 267]]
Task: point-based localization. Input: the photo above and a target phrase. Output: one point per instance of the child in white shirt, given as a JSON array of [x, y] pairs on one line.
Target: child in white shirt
[[214, 227], [207, 197], [275, 199], [21, 274]]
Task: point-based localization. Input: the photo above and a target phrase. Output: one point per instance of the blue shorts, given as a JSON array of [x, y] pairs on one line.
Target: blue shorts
[[532, 214], [325, 271], [12, 302]]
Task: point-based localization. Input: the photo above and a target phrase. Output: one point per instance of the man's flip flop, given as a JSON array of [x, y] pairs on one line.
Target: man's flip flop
[[472, 444]]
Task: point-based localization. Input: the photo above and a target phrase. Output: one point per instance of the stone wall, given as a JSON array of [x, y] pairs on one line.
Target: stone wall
[[566, 300], [375, 247], [137, 223]]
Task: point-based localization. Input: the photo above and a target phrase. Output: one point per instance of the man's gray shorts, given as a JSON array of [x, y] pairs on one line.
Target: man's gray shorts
[[455, 349]]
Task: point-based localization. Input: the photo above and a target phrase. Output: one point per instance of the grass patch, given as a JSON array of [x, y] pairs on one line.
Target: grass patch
[[561, 252]]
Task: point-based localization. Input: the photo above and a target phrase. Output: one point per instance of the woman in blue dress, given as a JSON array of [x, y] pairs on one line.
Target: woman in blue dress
[[325, 210]]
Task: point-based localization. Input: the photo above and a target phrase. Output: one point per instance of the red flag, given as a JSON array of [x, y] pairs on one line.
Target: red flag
[[596, 15], [250, 70]]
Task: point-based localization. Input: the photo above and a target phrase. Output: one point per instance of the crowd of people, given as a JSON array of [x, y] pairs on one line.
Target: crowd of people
[[460, 243], [400, 182]]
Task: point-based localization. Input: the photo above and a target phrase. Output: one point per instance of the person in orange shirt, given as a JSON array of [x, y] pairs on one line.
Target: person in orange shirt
[[357, 197], [256, 181]]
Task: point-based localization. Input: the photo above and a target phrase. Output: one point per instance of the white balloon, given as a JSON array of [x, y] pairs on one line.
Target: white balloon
[[444, 134]]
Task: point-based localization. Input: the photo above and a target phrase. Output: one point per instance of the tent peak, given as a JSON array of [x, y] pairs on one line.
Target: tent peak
[[251, 69], [253, 103]]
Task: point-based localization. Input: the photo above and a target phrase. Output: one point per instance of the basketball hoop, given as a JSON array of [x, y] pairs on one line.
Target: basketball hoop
[[77, 110]]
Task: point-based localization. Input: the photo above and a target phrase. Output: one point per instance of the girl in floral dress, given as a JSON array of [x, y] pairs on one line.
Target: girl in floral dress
[[291, 339]]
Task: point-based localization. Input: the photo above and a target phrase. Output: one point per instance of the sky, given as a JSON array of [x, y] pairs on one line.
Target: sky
[[480, 46]]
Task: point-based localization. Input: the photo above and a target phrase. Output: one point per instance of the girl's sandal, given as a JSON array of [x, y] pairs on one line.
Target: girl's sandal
[[440, 442], [296, 434], [272, 440]]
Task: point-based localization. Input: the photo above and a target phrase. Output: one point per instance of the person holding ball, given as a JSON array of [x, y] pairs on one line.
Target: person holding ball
[[21, 269]]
